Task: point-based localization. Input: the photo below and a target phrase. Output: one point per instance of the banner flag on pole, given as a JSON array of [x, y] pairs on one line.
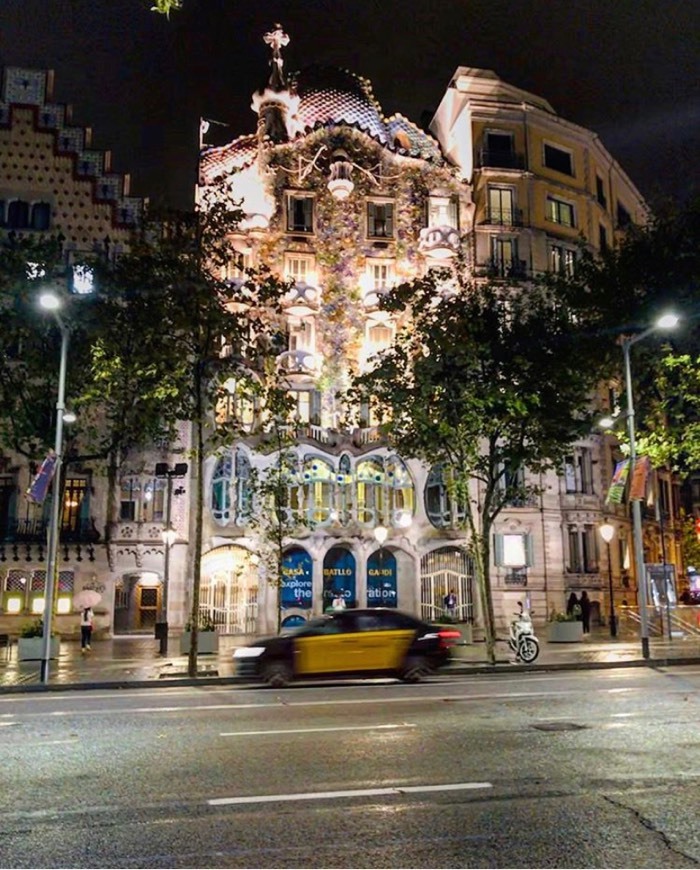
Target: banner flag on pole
[[40, 485], [640, 475], [619, 480]]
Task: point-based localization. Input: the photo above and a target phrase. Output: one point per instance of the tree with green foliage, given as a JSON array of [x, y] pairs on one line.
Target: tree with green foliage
[[211, 332], [654, 269], [485, 380]]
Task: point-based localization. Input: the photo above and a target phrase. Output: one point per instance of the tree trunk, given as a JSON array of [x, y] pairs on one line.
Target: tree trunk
[[198, 464]]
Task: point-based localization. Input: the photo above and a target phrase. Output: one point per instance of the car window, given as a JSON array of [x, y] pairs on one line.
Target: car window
[[392, 619], [317, 627], [369, 622]]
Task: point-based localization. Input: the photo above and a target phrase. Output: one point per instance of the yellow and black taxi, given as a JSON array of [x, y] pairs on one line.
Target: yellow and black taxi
[[371, 642]]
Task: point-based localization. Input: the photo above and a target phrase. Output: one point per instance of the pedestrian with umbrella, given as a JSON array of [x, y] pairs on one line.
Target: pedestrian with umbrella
[[86, 600]]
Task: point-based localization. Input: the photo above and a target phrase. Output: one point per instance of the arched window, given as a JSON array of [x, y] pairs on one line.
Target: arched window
[[318, 482], [400, 491], [221, 489], [371, 496], [343, 490], [231, 493], [444, 504]]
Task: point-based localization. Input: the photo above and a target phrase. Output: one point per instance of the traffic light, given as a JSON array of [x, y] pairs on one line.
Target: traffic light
[[697, 527]]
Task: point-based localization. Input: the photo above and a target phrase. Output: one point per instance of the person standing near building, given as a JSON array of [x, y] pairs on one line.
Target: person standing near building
[[86, 623], [450, 604], [572, 606], [585, 612]]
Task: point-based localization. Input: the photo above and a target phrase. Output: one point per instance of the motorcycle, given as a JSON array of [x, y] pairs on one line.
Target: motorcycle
[[521, 638]]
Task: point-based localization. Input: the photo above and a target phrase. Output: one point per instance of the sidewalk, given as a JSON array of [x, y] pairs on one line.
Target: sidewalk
[[134, 661]]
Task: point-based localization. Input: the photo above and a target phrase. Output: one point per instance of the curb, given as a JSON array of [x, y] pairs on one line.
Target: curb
[[467, 669]]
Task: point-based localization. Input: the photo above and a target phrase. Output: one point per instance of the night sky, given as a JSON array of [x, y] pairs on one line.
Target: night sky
[[628, 69]]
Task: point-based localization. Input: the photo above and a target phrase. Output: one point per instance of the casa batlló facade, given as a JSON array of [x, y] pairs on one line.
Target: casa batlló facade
[[345, 202]]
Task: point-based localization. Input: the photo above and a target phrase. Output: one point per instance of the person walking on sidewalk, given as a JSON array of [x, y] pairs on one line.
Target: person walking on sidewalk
[[86, 628], [585, 612]]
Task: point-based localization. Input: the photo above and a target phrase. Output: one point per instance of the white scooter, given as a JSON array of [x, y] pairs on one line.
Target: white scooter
[[521, 638]]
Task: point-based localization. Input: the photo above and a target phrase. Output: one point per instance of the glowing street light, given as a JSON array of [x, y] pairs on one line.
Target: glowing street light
[[667, 321], [607, 533], [51, 302]]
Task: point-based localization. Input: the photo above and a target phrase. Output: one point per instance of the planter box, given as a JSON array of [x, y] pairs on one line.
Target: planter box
[[32, 648], [207, 642], [565, 632]]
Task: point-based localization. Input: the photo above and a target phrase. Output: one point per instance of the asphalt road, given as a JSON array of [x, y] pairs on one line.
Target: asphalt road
[[575, 769]]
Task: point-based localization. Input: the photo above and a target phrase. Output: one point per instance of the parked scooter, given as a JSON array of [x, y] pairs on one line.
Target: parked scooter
[[522, 638]]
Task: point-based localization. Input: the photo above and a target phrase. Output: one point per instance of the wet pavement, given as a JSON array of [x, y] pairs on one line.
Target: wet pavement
[[132, 661]]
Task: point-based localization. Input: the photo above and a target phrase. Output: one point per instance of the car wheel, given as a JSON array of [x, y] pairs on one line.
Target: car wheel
[[414, 669], [277, 675]]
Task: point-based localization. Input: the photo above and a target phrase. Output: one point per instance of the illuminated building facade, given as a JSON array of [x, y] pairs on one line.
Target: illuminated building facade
[[346, 202]]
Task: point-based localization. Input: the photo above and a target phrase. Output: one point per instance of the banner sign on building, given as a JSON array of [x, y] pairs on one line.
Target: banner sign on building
[[640, 475], [40, 485], [381, 580], [619, 480], [338, 577], [297, 580]]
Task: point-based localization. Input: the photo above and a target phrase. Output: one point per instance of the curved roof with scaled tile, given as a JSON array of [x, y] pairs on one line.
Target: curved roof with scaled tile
[[330, 97]]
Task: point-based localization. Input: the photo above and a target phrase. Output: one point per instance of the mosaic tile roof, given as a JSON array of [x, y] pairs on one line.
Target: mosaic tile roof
[[223, 159], [329, 97]]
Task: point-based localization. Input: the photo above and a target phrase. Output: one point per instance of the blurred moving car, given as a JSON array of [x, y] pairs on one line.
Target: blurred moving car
[[371, 642]]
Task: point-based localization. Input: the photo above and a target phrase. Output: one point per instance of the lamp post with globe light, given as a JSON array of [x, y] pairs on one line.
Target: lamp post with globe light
[[607, 533]]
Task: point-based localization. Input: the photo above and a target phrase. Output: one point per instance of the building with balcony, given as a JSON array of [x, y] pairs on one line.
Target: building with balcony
[[345, 201], [54, 183]]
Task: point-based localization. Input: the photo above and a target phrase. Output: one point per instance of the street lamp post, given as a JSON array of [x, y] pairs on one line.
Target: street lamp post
[[668, 321], [51, 303], [163, 470], [607, 532]]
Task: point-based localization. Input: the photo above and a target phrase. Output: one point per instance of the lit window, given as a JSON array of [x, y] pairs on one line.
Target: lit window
[[513, 550], [500, 209], [562, 260], [560, 212], [443, 211], [298, 268], [379, 337], [318, 481]]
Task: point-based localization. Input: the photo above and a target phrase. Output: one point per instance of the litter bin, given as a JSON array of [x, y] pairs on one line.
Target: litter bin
[[162, 636]]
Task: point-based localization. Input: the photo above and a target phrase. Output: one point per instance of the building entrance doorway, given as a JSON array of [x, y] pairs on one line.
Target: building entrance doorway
[[137, 600]]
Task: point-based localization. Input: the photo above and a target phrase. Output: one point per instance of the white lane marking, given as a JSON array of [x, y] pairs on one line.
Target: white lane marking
[[350, 793], [316, 730], [33, 745]]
